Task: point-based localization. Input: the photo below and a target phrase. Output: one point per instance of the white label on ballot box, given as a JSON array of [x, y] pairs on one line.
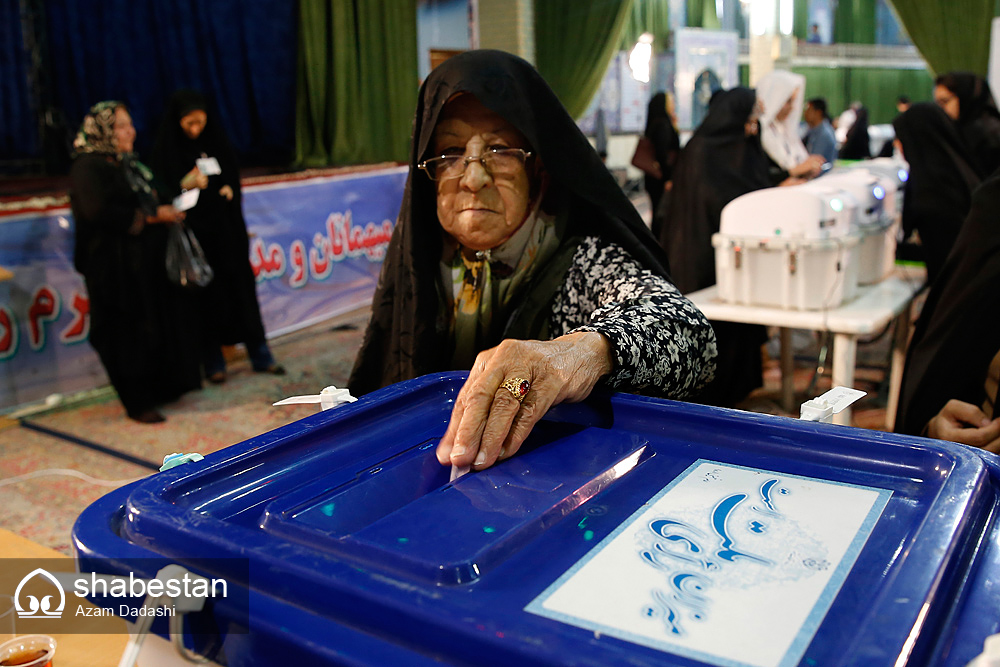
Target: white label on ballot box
[[727, 565]]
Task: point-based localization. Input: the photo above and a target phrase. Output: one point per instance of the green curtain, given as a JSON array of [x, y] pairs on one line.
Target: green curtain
[[702, 14], [357, 81], [950, 34], [800, 19], [877, 88], [854, 22], [574, 42], [652, 16]]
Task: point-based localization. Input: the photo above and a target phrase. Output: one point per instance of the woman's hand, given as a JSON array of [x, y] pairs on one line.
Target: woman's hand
[[166, 213], [963, 422], [489, 424], [194, 179], [226, 192], [808, 168], [792, 180]]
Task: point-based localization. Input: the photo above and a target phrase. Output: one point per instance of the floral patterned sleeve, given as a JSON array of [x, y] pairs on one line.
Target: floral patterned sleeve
[[661, 342]]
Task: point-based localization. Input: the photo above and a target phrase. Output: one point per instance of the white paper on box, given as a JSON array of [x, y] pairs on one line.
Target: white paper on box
[[208, 166], [727, 565]]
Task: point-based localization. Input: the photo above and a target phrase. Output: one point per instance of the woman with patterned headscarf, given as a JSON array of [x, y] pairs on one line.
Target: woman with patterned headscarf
[[139, 321]]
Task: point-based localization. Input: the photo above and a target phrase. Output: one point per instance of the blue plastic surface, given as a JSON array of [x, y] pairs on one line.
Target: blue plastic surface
[[362, 552]]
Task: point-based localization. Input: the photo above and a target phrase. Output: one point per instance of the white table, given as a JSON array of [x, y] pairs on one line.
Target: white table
[[871, 310]]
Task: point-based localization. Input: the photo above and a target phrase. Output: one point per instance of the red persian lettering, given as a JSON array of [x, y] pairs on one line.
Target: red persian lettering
[[8, 333], [267, 263], [44, 308], [319, 257], [79, 328], [298, 254], [349, 240]]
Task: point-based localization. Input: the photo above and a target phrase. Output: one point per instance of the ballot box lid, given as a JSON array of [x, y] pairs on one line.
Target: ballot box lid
[[627, 530]]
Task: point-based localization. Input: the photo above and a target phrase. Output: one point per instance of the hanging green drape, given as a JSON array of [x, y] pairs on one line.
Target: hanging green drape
[[574, 42], [950, 34], [357, 81], [800, 19], [854, 22], [702, 14], [652, 16]]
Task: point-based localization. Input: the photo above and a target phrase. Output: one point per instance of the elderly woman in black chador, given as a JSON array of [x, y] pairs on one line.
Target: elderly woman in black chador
[[942, 178], [229, 312], [516, 255], [968, 101], [723, 160], [139, 321]]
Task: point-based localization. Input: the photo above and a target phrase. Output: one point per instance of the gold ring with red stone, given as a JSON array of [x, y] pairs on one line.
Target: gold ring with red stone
[[518, 388]]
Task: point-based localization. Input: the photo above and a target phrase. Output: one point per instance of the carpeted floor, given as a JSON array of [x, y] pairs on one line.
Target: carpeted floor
[[95, 438]]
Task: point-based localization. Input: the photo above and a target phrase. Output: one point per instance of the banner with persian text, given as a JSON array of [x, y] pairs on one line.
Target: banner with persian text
[[316, 248]]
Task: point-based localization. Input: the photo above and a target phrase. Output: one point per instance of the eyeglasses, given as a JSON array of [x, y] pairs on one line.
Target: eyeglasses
[[498, 162]]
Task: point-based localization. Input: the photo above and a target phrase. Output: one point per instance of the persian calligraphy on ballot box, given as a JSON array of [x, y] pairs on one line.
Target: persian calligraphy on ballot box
[[627, 530]]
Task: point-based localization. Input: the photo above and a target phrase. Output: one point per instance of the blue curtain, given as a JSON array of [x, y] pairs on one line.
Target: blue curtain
[[241, 53], [18, 124]]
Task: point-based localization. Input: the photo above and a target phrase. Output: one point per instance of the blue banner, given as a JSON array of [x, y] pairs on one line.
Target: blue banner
[[316, 248]]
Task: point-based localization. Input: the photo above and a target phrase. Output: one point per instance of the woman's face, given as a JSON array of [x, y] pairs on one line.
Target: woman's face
[[787, 107], [479, 210], [947, 100], [193, 123], [124, 131]]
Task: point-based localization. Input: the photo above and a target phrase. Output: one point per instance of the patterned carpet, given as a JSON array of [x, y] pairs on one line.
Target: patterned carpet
[[44, 508]]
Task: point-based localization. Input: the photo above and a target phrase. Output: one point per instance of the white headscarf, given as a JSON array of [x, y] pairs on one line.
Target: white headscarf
[[780, 139]]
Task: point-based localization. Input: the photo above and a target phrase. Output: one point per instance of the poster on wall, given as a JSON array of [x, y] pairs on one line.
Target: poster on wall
[[706, 61]]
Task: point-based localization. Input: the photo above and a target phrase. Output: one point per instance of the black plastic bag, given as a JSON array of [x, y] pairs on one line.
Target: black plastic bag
[[186, 263]]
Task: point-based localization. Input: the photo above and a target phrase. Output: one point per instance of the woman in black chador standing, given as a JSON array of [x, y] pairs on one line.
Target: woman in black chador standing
[[229, 310], [942, 178], [666, 144], [723, 160], [138, 319]]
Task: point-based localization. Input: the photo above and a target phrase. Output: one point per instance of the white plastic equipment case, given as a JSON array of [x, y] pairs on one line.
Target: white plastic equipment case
[[876, 220], [894, 175], [788, 247]]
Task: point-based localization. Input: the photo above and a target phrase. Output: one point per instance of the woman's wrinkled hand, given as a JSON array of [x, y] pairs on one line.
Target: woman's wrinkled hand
[[965, 423], [226, 192], [194, 179], [488, 424]]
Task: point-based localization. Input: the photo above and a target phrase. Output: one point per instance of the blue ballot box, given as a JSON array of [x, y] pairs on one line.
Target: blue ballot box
[[627, 531]]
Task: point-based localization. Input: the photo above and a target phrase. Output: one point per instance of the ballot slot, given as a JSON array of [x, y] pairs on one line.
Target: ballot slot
[[384, 516]]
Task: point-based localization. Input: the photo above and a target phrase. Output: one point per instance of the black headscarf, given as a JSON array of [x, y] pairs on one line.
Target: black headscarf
[[716, 166], [978, 118], [939, 189], [402, 340], [857, 146], [666, 145], [958, 332], [174, 152]]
